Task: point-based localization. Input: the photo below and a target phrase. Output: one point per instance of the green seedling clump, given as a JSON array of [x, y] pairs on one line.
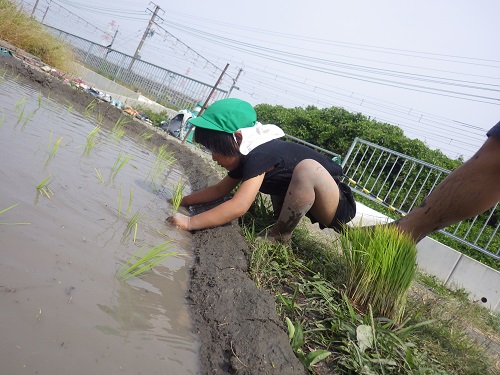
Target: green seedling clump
[[144, 260]]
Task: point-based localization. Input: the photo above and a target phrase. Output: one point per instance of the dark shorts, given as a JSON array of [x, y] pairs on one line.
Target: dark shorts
[[494, 131], [346, 209]]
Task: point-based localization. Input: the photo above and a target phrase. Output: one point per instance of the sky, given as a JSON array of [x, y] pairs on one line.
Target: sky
[[430, 67]]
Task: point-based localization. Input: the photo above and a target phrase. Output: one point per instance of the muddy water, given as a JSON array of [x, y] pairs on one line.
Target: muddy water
[[62, 308]]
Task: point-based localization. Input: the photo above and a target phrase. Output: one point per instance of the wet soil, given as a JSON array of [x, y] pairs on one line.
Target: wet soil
[[236, 323]]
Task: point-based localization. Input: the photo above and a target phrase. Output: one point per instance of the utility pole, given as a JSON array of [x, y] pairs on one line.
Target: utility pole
[[113, 39], [234, 83], [34, 8], [146, 33], [45, 14]]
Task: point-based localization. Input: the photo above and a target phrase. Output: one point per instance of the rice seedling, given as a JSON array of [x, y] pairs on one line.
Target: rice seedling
[[55, 147], [118, 130], [70, 105], [2, 77], [133, 224], [119, 202], [90, 108], [129, 202], [28, 117], [43, 187], [40, 97], [21, 101], [21, 115], [100, 117], [99, 175], [381, 266], [144, 260], [119, 163], [177, 195], [146, 135], [2, 120], [7, 209], [163, 160], [91, 141]]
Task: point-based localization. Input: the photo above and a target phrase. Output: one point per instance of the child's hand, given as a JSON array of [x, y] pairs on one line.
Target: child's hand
[[180, 221]]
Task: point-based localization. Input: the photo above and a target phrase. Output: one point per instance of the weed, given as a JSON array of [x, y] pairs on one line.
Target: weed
[[26, 33], [296, 336]]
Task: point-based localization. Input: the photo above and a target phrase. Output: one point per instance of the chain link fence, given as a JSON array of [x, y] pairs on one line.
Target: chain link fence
[[159, 84]]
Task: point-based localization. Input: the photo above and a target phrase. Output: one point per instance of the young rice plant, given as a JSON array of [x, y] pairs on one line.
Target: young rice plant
[[144, 260]]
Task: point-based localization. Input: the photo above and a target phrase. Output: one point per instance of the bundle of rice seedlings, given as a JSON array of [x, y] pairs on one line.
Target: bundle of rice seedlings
[[381, 266]]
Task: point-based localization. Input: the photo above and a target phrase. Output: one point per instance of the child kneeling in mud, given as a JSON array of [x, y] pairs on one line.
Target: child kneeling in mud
[[300, 180]]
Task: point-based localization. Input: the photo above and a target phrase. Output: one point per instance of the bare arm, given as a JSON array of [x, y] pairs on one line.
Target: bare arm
[[225, 212], [469, 190], [211, 193]]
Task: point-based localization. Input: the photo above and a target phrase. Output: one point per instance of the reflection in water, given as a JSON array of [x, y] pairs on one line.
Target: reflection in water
[[146, 308]]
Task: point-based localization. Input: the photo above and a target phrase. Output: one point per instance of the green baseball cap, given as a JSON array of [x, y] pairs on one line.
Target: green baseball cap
[[226, 115]]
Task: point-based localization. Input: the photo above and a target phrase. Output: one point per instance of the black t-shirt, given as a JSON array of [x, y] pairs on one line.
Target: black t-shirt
[[284, 157]]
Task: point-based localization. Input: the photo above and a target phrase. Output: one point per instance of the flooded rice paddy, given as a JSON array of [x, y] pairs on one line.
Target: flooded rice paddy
[[75, 201]]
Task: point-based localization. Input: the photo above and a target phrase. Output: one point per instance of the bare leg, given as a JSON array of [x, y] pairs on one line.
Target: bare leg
[[277, 202], [469, 190], [313, 189]]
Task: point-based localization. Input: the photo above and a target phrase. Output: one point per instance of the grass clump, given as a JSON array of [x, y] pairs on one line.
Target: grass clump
[[144, 260], [26, 33], [330, 334]]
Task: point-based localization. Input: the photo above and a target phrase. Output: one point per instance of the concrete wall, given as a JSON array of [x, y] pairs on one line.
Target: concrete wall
[[453, 268]]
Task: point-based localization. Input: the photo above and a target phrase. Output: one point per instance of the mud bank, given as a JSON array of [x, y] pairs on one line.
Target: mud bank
[[237, 324]]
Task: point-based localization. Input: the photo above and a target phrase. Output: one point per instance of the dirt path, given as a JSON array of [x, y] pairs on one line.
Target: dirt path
[[237, 324]]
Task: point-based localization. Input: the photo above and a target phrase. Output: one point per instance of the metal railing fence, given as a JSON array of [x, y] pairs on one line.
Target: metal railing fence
[[401, 182], [159, 84]]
